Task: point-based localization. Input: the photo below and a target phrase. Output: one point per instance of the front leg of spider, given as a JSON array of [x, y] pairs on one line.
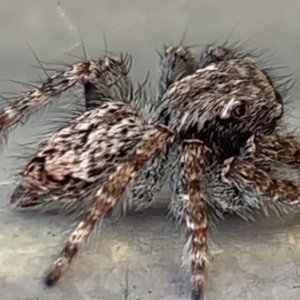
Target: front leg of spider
[[192, 163], [108, 195], [283, 148], [258, 184]]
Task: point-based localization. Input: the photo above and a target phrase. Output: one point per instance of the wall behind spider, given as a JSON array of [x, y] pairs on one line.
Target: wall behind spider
[[139, 27]]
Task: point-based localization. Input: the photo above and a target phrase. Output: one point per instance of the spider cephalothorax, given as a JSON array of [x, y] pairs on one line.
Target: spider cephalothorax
[[222, 104], [209, 132]]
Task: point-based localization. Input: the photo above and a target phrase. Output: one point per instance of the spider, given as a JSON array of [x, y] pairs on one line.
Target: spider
[[214, 133]]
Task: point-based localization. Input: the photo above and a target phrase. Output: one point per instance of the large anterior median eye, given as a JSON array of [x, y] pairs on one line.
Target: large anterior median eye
[[240, 110]]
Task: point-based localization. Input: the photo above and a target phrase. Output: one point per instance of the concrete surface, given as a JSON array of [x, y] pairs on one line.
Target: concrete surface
[[140, 257]]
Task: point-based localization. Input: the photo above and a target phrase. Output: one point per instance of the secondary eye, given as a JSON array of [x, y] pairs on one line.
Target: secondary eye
[[240, 110]]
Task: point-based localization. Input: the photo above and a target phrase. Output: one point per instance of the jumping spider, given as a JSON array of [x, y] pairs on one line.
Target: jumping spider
[[214, 133]]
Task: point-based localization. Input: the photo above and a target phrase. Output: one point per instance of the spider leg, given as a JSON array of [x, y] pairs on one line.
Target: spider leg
[[108, 195], [192, 163], [256, 183], [114, 83], [176, 206], [107, 75], [223, 198], [150, 180], [175, 63], [276, 147]]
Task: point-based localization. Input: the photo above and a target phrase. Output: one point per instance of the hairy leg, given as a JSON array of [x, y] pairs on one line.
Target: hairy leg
[[148, 183], [107, 196], [175, 63], [114, 83], [276, 148], [258, 184], [277, 155], [108, 77], [176, 206], [192, 163], [222, 198]]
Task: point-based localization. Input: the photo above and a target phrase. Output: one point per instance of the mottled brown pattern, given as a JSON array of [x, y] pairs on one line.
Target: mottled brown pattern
[[82, 153], [245, 176], [107, 196], [281, 148], [202, 105], [192, 164]]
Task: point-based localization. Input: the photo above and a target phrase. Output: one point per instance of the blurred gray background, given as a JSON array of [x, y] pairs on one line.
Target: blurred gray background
[[140, 257]]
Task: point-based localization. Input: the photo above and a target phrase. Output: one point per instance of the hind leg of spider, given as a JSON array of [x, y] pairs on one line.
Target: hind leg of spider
[[191, 165], [107, 196], [258, 184]]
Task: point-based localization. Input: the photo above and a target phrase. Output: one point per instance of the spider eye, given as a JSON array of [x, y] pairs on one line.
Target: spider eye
[[240, 110]]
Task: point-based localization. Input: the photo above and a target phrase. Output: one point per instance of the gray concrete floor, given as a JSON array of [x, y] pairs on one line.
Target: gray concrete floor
[[142, 253]]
